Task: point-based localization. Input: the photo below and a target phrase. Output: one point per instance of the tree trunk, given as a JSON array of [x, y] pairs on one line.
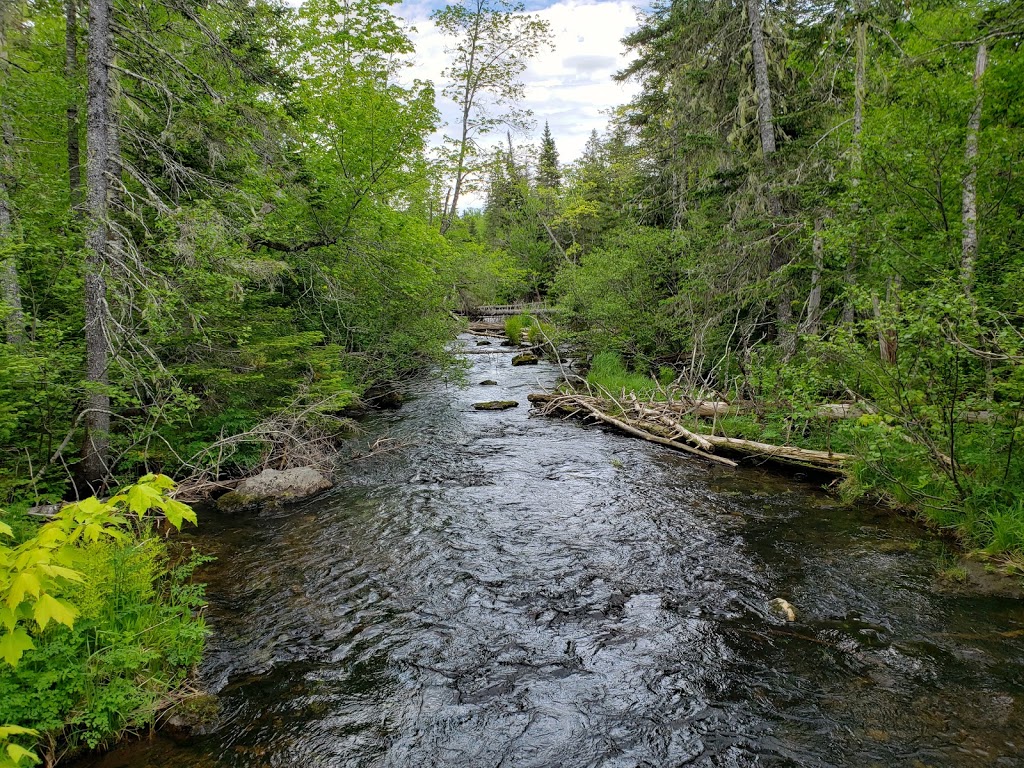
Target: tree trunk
[[969, 252], [10, 293], [785, 333], [855, 157], [98, 122], [888, 337], [71, 75], [765, 117], [814, 297]]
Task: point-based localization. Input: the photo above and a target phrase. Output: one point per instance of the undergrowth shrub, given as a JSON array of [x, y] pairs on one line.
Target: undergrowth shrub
[[100, 623]]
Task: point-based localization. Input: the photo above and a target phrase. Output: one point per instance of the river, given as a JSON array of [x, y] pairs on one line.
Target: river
[[521, 592]]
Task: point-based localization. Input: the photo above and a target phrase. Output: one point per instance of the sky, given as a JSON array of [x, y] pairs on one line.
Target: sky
[[571, 87]]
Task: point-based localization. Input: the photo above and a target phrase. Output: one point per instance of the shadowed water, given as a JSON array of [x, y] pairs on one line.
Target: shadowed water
[[524, 592]]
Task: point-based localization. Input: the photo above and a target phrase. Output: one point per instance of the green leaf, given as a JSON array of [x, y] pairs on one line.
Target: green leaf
[[6, 731], [6, 530], [143, 497], [49, 608], [60, 572], [24, 583], [14, 644], [176, 512], [18, 754]]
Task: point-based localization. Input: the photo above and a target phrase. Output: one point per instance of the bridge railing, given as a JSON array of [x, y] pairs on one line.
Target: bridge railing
[[507, 310]]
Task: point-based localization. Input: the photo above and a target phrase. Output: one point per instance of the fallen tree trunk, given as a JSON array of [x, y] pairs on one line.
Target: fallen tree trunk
[[708, 409], [825, 460], [638, 431], [655, 423]]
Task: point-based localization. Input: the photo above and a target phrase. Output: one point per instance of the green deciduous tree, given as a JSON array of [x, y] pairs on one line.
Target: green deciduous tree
[[493, 40]]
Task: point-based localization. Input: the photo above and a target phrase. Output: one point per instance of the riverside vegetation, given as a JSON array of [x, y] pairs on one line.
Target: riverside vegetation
[[221, 225]]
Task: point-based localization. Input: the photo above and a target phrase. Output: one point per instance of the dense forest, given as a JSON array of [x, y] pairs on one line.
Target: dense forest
[[224, 224]]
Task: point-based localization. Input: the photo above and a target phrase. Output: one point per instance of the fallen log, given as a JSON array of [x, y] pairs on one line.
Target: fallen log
[[825, 460], [655, 423], [675, 426], [631, 429]]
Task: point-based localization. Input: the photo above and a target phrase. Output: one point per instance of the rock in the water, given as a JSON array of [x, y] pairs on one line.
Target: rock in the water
[[483, 343], [488, 383], [525, 359], [273, 488], [383, 397], [496, 405], [508, 344], [783, 609]]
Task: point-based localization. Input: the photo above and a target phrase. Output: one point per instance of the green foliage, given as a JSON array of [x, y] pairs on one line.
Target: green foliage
[[514, 327], [99, 629], [275, 240], [608, 374]]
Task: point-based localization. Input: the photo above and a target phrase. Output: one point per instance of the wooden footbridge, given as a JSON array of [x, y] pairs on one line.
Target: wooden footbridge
[[535, 308]]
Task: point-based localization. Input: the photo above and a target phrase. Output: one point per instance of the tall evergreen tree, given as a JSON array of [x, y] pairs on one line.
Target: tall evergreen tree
[[549, 173]]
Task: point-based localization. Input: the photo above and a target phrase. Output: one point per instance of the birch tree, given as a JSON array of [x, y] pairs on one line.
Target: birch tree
[[494, 41]]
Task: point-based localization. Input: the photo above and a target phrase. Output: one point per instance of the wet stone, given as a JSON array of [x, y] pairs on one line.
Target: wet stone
[[496, 405], [783, 609], [525, 359], [488, 383]]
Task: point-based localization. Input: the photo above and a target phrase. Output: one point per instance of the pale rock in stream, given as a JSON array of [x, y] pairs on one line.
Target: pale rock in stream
[[273, 487], [783, 609]]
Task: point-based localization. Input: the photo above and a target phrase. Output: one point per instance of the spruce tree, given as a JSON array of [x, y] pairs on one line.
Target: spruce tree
[[548, 173]]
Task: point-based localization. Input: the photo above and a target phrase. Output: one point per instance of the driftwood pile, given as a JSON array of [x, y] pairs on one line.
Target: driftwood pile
[[661, 422]]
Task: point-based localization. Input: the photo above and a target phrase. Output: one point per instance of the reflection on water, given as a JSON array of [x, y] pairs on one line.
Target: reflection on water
[[515, 591]]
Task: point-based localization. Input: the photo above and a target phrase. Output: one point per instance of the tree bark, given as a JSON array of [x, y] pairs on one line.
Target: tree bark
[[71, 75], [785, 333], [855, 157], [969, 249], [765, 117], [814, 296], [10, 293], [888, 337], [98, 121]]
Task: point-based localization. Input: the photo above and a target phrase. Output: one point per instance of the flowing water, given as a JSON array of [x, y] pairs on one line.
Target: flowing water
[[523, 592]]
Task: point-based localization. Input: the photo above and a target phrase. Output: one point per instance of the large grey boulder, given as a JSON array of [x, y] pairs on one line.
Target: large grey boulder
[[273, 487]]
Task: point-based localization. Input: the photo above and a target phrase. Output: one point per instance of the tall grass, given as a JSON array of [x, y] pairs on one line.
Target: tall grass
[[609, 373]]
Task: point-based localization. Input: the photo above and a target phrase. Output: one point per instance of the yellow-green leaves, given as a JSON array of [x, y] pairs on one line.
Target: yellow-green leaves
[[14, 755], [13, 645], [151, 492], [33, 574], [49, 608]]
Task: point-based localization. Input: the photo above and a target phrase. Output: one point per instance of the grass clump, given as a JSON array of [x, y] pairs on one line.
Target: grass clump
[[515, 325], [608, 373]]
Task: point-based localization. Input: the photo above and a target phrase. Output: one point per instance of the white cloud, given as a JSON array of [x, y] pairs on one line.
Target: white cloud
[[571, 86]]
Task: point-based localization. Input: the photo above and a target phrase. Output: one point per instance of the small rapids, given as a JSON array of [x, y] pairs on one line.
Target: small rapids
[[524, 592]]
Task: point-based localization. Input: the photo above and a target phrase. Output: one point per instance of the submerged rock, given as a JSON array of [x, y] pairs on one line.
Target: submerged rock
[[384, 397], [272, 487], [192, 716], [488, 383], [496, 405], [783, 609], [525, 359], [483, 343]]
